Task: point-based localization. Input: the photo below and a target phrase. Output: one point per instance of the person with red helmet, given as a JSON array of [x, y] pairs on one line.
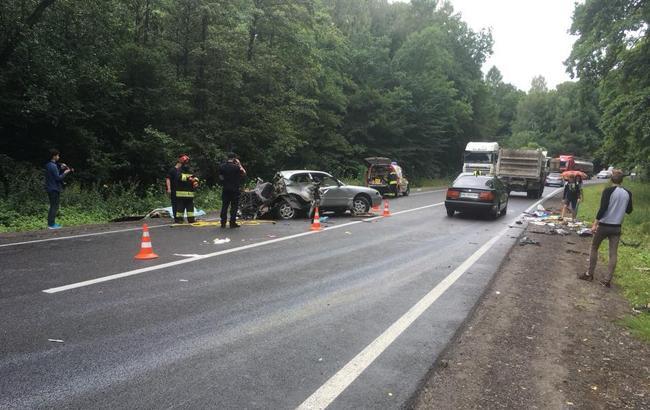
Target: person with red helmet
[[170, 182], [186, 183]]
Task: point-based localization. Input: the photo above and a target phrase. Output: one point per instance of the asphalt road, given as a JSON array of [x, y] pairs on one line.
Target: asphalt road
[[351, 317]]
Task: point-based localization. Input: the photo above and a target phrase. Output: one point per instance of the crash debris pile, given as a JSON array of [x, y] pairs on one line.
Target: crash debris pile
[[549, 222]]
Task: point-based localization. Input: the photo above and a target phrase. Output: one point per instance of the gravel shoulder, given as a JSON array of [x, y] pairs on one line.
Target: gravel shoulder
[[541, 338]]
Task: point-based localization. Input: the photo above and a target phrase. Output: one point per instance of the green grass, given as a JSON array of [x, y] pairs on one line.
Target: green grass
[[630, 275], [26, 210]]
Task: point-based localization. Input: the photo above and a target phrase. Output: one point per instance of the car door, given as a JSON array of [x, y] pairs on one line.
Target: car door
[[332, 196], [300, 184]]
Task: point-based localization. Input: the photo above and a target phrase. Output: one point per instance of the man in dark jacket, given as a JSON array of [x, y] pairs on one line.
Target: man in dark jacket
[[170, 181], [54, 175], [186, 183], [615, 202], [231, 174]]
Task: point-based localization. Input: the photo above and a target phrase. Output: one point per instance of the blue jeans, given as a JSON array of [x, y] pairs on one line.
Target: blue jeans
[[55, 197]]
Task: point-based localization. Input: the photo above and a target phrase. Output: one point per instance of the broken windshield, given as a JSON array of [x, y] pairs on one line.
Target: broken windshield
[[478, 158]]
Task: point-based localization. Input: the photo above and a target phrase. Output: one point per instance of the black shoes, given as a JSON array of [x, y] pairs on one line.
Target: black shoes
[[234, 225], [585, 276]]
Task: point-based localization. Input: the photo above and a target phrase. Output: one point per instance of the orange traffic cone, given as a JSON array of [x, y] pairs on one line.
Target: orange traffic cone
[[315, 225], [386, 211], [146, 251]]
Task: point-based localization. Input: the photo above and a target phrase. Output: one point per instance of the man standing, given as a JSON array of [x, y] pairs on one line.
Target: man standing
[[615, 202], [170, 181], [54, 174], [572, 196], [186, 183], [231, 174]]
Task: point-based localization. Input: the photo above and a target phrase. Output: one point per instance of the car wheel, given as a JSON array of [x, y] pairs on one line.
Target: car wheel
[[285, 211], [360, 205], [450, 212], [504, 210], [495, 213]]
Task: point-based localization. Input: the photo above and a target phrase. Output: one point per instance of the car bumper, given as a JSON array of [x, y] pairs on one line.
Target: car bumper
[[469, 206]]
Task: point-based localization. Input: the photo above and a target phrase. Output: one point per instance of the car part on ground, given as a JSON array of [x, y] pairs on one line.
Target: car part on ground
[[480, 194]]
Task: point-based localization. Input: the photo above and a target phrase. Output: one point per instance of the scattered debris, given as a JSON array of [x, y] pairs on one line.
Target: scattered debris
[[218, 241], [55, 340], [183, 280], [585, 232], [518, 222], [527, 241], [631, 244], [577, 252], [348, 233]]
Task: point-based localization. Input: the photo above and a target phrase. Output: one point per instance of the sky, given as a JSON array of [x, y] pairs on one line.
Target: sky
[[530, 37]]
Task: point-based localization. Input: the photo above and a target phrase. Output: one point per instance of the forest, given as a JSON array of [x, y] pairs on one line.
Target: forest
[[121, 87]]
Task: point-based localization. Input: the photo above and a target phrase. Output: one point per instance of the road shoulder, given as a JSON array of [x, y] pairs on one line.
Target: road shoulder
[[541, 338]]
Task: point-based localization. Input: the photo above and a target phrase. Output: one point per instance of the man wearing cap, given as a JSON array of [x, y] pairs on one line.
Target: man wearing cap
[[231, 174], [170, 182], [615, 202]]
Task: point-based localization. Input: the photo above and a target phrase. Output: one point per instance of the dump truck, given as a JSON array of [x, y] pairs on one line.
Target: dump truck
[[522, 170]]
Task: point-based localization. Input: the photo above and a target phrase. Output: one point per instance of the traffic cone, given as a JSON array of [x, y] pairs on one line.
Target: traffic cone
[[146, 251], [386, 211], [315, 225]]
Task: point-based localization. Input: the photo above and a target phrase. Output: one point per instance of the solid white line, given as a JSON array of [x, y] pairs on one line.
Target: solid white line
[[427, 192], [213, 254], [340, 381], [83, 235], [60, 238]]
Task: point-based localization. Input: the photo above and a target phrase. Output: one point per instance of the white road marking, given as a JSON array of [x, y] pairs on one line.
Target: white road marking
[[60, 238], [84, 235], [340, 381], [219, 253], [427, 192]]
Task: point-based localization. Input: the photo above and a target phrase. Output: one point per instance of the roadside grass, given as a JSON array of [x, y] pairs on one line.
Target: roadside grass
[[632, 274]]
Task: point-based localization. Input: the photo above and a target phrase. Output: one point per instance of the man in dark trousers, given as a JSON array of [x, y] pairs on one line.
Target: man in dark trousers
[[170, 181], [615, 202], [54, 175], [231, 174], [186, 183]]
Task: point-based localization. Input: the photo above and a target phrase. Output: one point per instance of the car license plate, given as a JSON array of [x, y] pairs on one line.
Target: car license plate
[[469, 195]]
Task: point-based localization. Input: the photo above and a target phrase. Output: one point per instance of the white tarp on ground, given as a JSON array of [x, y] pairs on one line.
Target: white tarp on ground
[[167, 213]]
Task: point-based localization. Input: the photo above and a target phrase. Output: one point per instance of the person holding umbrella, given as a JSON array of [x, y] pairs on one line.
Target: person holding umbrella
[[572, 196]]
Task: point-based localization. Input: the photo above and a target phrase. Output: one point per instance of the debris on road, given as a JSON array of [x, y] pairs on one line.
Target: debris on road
[[527, 241], [585, 232], [218, 241], [55, 340], [183, 280]]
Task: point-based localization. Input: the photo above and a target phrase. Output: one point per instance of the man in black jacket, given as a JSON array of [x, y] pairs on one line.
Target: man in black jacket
[[615, 202], [231, 174]]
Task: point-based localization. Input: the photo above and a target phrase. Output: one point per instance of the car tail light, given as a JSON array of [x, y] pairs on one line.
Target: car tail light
[[453, 194], [486, 196]]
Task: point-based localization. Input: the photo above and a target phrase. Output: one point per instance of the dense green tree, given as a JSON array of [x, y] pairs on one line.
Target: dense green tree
[[612, 52], [122, 86]]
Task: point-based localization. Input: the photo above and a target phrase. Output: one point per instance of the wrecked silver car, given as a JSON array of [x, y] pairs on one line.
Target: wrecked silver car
[[295, 193]]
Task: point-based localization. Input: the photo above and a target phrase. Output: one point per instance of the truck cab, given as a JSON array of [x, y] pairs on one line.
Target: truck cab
[[481, 157]]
